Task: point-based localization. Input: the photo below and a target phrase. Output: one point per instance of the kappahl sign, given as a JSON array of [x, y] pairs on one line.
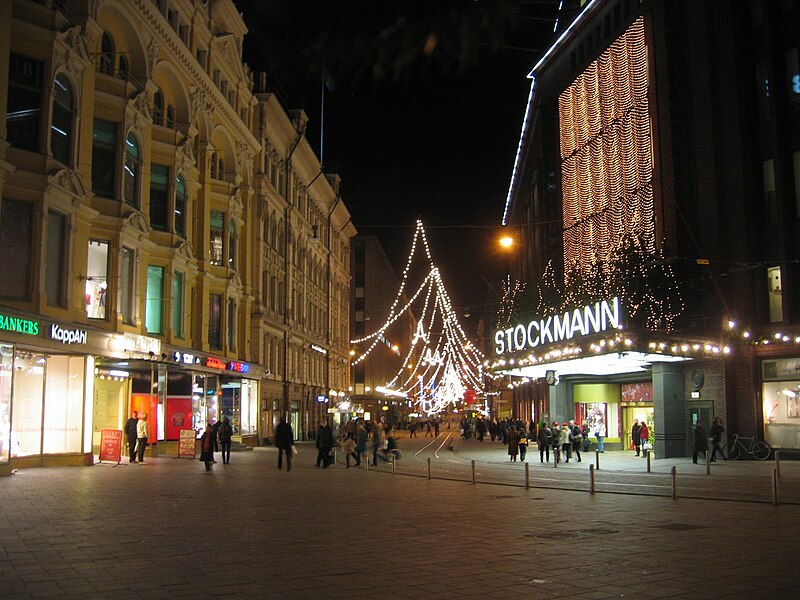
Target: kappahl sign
[[581, 321], [67, 336]]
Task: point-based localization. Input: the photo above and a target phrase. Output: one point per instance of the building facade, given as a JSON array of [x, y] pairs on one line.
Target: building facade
[[657, 188], [140, 212]]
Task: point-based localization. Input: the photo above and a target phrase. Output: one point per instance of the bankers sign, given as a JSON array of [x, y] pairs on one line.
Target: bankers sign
[[581, 321]]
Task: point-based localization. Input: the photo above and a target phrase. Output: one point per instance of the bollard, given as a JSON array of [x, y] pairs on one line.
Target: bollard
[[648, 462], [591, 479], [366, 463], [473, 471], [674, 482], [555, 459], [597, 459], [394, 462], [775, 487], [527, 476], [429, 468], [778, 462], [708, 462]]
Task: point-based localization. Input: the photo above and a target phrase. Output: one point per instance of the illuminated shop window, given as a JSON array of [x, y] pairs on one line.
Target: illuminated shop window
[[97, 280], [216, 235], [775, 290]]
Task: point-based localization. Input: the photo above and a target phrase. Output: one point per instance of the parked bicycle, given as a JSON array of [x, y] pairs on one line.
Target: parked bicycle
[[746, 446]]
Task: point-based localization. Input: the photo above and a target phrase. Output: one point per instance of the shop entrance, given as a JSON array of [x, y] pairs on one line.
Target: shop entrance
[[698, 412], [630, 414]]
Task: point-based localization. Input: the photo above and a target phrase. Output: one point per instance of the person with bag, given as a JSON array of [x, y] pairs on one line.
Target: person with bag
[[284, 440], [565, 439], [544, 438], [348, 446], [585, 435], [225, 433], [636, 438], [523, 444], [644, 438]]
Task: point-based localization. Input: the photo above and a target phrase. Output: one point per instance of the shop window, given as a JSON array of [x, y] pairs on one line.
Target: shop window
[[216, 235], [180, 206], [26, 418], [56, 252], [177, 304], [107, 54], [775, 290], [126, 281], [63, 404], [97, 280], [24, 102], [61, 128], [16, 235], [214, 320], [154, 301], [232, 262], [131, 171], [159, 196], [158, 108], [231, 323], [104, 158], [6, 370]]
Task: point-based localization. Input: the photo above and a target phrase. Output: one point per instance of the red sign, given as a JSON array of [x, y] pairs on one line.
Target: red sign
[[187, 444], [240, 367], [110, 445], [215, 363], [179, 416]]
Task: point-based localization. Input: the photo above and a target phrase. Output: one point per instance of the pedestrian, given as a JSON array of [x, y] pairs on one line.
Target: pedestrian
[[284, 440], [585, 434], [207, 447], [600, 434], [636, 436], [413, 429], [428, 431], [225, 433], [377, 443], [436, 427], [350, 429], [324, 443], [362, 438], [513, 444], [141, 436], [716, 435], [349, 448], [555, 440], [699, 441], [565, 439], [480, 429], [130, 433], [544, 437], [523, 444], [644, 438], [577, 439]]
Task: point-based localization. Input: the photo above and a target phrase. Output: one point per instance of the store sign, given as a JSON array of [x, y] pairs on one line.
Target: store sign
[[67, 336], [215, 363], [18, 325], [594, 318], [322, 399], [319, 349], [239, 367], [141, 343], [185, 358]]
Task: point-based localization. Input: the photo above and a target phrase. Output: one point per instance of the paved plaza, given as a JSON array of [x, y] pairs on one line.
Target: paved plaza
[[166, 530]]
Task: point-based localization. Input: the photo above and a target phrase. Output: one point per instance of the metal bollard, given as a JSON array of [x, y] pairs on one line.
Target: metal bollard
[[394, 462], [674, 482], [366, 463], [597, 459], [778, 462], [473, 470], [591, 479], [527, 476], [648, 462], [775, 487], [429, 468], [708, 462]]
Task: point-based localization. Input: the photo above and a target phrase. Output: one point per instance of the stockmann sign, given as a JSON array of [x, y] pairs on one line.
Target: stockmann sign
[[18, 325], [594, 318]]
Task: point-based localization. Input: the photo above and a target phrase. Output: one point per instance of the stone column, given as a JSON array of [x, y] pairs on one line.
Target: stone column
[[669, 403]]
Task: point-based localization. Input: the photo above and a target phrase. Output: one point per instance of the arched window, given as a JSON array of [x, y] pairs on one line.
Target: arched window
[[107, 54], [180, 206], [61, 137], [131, 171], [124, 69], [170, 116], [158, 108]]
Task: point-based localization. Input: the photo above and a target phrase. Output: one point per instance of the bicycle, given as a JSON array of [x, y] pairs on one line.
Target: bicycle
[[740, 446]]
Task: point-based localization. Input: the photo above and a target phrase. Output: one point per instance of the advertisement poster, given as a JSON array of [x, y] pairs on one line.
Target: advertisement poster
[[110, 445], [187, 443], [178, 417]]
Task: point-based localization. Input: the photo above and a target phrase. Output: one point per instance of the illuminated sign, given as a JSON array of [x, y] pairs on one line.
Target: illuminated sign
[[239, 367], [581, 321], [140, 343], [319, 349], [67, 336], [215, 363], [322, 398], [18, 325], [185, 358]]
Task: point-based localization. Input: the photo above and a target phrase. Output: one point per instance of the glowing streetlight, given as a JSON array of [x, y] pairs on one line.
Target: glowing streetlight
[[506, 241]]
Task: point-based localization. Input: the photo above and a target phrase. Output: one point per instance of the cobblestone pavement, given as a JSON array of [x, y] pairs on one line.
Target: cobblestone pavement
[[166, 530]]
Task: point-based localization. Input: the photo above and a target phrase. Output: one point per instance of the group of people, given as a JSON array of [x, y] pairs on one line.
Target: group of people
[[431, 427], [136, 432], [356, 436], [222, 431], [640, 438], [564, 440]]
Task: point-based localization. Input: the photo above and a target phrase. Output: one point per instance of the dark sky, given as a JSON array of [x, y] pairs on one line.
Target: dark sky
[[423, 118]]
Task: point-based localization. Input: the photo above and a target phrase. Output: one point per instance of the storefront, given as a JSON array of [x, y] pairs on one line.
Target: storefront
[[781, 402]]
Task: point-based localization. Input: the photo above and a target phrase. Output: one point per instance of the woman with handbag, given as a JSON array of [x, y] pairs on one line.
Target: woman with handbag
[[644, 438]]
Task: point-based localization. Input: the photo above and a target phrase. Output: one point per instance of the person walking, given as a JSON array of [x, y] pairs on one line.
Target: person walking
[[585, 435], [377, 443], [225, 432], [436, 427], [565, 439], [513, 444], [284, 440], [523, 444], [636, 436], [600, 434], [324, 443], [413, 429], [141, 436], [362, 438], [644, 438], [577, 439], [716, 435], [348, 445], [130, 433], [544, 438], [556, 442], [207, 448], [699, 441]]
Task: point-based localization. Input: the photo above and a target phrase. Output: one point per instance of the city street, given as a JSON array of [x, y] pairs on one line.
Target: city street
[[166, 529]]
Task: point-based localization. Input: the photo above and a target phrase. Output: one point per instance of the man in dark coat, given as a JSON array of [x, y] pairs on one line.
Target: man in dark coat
[[716, 435], [130, 432], [324, 443], [699, 441], [284, 440]]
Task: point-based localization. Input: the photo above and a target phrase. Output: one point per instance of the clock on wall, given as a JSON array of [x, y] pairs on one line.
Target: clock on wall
[[550, 377], [698, 379]]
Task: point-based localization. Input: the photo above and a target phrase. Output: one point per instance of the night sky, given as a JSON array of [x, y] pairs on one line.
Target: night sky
[[423, 111]]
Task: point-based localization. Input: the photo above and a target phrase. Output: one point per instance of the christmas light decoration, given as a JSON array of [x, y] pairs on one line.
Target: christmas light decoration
[[441, 363]]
